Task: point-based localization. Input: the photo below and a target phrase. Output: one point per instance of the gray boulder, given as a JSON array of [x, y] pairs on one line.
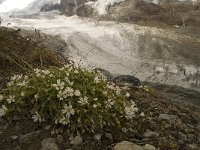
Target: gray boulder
[[127, 79], [125, 145], [49, 144]]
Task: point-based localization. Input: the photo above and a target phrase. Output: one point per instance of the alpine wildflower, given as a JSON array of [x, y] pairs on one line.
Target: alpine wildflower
[[11, 99], [59, 85], [96, 80], [77, 93], [1, 97], [109, 103], [69, 91], [68, 110], [3, 110], [128, 94], [83, 101], [62, 95], [23, 83], [37, 117], [22, 94], [131, 110]]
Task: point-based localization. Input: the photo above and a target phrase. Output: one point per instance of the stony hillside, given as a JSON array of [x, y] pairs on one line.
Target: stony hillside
[[161, 124], [159, 13]]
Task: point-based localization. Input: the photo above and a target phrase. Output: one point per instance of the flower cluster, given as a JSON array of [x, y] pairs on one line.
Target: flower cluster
[[131, 110], [71, 96]]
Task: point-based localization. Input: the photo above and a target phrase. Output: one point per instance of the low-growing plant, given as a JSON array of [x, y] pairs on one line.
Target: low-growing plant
[[80, 99]]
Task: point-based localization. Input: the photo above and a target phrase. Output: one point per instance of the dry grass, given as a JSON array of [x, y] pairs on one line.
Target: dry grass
[[19, 55]]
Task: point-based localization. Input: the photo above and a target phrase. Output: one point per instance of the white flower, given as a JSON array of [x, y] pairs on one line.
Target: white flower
[[61, 69], [96, 80], [59, 85], [3, 110], [43, 76], [36, 96], [23, 83], [16, 77], [37, 117], [142, 114], [22, 94], [95, 99], [61, 95], [38, 72], [76, 72], [67, 66], [111, 87], [83, 101], [46, 72], [38, 75], [118, 90], [133, 104], [131, 110], [109, 103], [95, 106], [69, 91], [11, 99], [68, 110], [127, 94], [105, 93], [13, 78], [1, 97], [25, 77], [51, 75], [64, 120], [77, 93], [10, 83]]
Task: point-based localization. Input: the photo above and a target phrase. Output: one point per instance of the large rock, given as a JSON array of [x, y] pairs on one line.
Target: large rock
[[125, 145], [127, 79], [149, 147], [76, 141], [49, 144]]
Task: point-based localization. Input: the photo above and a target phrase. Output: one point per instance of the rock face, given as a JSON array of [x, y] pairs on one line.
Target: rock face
[[69, 7], [85, 11]]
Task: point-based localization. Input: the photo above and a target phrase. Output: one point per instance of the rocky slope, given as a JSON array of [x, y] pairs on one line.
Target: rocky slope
[[164, 56], [151, 54], [163, 124]]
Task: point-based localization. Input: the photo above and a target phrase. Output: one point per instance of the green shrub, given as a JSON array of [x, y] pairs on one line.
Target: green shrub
[[71, 96]]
